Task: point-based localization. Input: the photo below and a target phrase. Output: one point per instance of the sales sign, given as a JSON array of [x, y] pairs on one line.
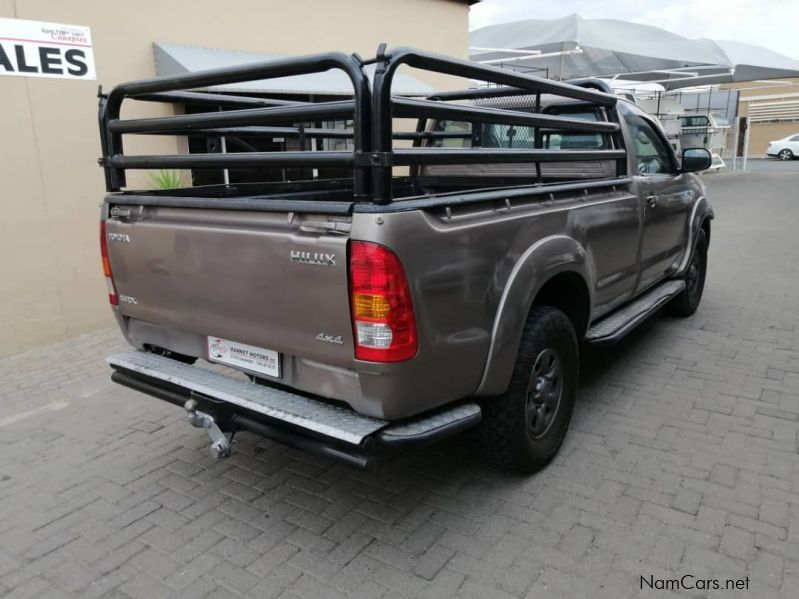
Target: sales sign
[[38, 49]]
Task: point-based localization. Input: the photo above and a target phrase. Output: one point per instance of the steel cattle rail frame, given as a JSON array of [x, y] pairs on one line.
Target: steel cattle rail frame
[[385, 107], [372, 110], [170, 88]]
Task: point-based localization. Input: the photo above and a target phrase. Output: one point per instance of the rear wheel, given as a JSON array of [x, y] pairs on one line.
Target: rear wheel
[[687, 301], [522, 429], [785, 155]]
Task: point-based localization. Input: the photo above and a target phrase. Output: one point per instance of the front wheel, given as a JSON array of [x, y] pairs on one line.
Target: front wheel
[[523, 428], [687, 301], [785, 155]]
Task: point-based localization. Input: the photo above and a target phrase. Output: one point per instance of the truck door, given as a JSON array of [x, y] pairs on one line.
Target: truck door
[[666, 200]]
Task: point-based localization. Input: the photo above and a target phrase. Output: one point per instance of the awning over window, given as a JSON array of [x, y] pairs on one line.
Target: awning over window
[[174, 59], [768, 112]]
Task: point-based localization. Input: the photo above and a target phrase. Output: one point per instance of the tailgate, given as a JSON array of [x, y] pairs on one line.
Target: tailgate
[[272, 280]]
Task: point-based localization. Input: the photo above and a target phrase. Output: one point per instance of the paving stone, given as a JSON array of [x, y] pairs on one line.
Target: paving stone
[[767, 569], [737, 542], [687, 500], [774, 512], [232, 577], [430, 563], [185, 575], [723, 475], [143, 586]]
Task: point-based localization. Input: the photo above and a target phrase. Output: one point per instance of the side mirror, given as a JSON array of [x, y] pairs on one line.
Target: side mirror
[[696, 159]]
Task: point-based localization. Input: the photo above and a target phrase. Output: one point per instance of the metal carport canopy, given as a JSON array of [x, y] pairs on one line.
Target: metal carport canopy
[[175, 59], [609, 47]]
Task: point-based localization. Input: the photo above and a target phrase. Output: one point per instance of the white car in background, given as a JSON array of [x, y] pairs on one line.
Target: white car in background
[[784, 149]]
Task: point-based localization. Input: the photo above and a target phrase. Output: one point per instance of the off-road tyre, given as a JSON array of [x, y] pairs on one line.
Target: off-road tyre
[[687, 301], [510, 433]]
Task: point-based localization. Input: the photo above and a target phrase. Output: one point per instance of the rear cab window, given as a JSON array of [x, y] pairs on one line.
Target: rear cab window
[[493, 135]]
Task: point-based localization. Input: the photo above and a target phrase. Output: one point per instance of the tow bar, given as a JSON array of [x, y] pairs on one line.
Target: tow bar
[[222, 405], [221, 447]]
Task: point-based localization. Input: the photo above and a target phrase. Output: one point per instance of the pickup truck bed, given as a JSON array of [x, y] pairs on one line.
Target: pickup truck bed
[[386, 294]]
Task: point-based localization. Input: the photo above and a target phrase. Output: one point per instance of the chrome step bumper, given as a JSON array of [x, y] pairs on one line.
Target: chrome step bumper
[[279, 414], [617, 324]]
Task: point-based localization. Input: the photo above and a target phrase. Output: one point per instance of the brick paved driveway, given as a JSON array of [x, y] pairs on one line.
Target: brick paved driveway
[[682, 459]]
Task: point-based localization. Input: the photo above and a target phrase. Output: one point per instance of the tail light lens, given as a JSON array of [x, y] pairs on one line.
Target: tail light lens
[[109, 277], [382, 312]]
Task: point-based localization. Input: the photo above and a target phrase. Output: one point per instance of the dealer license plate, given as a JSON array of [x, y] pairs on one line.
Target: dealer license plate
[[246, 357]]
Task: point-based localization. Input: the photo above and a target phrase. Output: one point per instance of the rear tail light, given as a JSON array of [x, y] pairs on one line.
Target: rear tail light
[[382, 312], [109, 277]]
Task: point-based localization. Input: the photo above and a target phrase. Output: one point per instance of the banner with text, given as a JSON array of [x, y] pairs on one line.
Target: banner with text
[[38, 49]]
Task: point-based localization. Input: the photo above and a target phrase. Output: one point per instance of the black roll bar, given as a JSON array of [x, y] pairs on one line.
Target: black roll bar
[[501, 91], [311, 132], [225, 100], [430, 156], [404, 107], [233, 160], [185, 123]]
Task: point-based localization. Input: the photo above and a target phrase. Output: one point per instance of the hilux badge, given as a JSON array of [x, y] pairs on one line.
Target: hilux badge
[[315, 258]]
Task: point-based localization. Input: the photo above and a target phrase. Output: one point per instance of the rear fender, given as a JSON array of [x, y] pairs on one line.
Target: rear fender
[[542, 261]]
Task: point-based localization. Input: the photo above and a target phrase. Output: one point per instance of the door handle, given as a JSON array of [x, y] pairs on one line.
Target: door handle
[[652, 200]]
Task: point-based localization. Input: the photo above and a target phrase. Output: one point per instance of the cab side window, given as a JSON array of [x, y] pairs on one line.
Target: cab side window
[[651, 153]]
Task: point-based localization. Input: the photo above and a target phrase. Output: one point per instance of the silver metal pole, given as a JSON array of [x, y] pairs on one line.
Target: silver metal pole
[[225, 173], [746, 143]]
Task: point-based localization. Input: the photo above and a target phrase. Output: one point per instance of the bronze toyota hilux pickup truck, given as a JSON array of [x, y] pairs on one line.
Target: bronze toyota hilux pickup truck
[[352, 275]]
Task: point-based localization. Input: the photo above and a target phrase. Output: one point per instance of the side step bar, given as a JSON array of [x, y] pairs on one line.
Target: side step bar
[[614, 326], [309, 424]]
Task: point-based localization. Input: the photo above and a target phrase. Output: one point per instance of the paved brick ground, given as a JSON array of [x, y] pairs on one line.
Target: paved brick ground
[[682, 459]]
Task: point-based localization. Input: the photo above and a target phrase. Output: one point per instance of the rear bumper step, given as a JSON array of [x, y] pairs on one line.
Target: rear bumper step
[[292, 419]]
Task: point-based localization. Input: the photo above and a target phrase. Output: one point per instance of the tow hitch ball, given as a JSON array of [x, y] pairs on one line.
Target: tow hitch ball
[[221, 446]]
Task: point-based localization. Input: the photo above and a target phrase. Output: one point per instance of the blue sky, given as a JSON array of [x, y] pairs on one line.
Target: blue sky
[[773, 24]]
